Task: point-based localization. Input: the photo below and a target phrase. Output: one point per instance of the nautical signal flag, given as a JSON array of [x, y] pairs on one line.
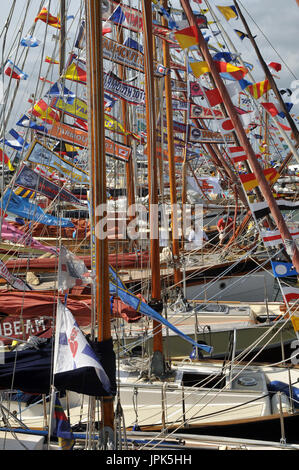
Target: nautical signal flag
[[76, 72], [44, 112], [13, 71], [250, 181], [4, 158], [50, 60], [237, 154], [258, 89], [214, 97], [199, 68], [187, 37], [61, 427], [275, 66], [228, 12], [30, 41], [237, 73], [47, 18], [281, 269], [241, 34]]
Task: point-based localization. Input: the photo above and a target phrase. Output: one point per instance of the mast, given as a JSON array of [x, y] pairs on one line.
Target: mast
[[156, 302], [62, 37], [96, 135], [268, 75], [244, 142]]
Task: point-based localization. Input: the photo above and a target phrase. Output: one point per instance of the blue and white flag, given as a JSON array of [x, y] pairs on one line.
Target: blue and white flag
[[281, 269], [15, 141], [35, 124], [58, 91], [72, 351], [23, 208], [30, 41]]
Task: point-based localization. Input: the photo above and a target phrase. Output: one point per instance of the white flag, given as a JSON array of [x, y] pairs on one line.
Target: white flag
[[72, 272], [72, 350]]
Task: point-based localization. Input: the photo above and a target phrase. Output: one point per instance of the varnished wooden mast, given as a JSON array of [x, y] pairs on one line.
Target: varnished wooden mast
[[156, 302], [244, 142], [96, 135]]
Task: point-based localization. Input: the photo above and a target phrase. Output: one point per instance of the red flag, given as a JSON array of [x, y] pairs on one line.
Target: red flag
[[275, 65], [271, 108], [226, 125], [213, 97]]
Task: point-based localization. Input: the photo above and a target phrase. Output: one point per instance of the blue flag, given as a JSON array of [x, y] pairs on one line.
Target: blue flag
[[281, 269]]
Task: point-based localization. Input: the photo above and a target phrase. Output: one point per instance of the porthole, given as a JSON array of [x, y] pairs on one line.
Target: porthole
[[222, 285]]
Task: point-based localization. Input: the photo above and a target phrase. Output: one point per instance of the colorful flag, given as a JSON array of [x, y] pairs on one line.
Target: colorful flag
[[61, 427], [30, 41], [273, 237], [73, 356], [187, 37], [42, 110], [16, 142], [199, 68], [76, 72], [290, 293], [258, 89], [225, 125], [276, 109], [27, 193], [214, 97], [241, 34], [261, 209], [14, 235], [13, 71], [275, 66], [237, 154], [281, 269], [228, 12], [4, 159], [250, 181], [46, 17], [50, 60], [237, 73]]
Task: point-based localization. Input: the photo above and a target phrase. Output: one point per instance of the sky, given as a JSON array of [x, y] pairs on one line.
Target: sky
[[276, 25]]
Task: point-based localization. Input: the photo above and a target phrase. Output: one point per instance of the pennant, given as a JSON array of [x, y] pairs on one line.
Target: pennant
[[61, 427], [14, 72], [214, 97], [14, 235], [17, 142], [25, 121], [281, 269], [199, 68], [30, 41], [58, 91], [228, 12], [258, 89], [42, 110], [129, 42], [187, 37], [240, 34], [47, 18], [249, 180], [75, 360]]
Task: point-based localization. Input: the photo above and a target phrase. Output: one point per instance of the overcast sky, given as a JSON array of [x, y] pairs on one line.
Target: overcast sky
[[278, 21]]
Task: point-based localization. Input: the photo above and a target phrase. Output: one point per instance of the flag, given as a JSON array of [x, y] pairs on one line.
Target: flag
[[227, 69], [281, 269], [41, 126], [27, 193], [273, 237], [4, 159], [17, 142], [276, 109], [13, 71], [61, 427], [237, 154], [14, 235], [199, 68], [228, 12], [258, 89], [225, 125], [275, 66], [62, 92], [42, 110], [129, 42], [47, 18], [50, 60], [76, 72], [241, 34], [73, 271], [261, 209], [250, 181], [290, 293], [75, 363], [214, 97], [226, 56], [30, 41], [187, 37]]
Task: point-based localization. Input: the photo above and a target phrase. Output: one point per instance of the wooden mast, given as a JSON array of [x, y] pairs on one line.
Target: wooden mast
[[96, 135], [244, 142], [171, 162], [156, 302]]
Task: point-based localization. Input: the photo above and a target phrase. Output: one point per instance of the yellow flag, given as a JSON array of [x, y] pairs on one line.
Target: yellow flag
[[199, 68], [228, 12]]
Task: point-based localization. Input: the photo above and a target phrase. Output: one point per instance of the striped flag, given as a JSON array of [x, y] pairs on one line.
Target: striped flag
[[46, 17], [4, 158], [237, 154], [187, 37], [76, 72], [62, 428], [259, 89], [30, 41], [261, 209], [26, 193], [13, 71], [42, 110], [50, 60], [273, 237], [250, 181], [228, 11], [238, 73], [290, 293]]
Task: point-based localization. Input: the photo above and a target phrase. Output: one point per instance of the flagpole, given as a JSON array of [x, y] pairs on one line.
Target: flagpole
[[96, 135], [244, 142]]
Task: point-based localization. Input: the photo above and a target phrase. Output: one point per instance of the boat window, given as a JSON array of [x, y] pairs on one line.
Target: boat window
[[193, 379]]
